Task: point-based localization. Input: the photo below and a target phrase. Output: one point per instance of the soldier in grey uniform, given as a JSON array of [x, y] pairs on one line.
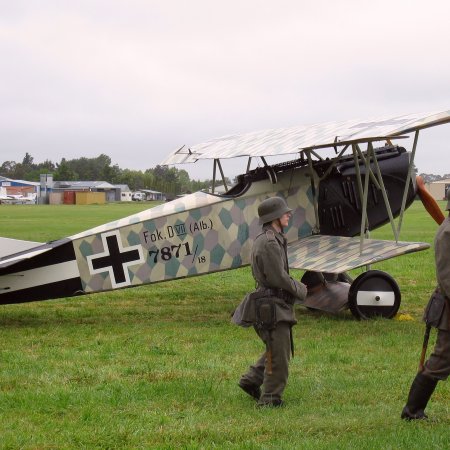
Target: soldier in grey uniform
[[271, 272], [437, 313]]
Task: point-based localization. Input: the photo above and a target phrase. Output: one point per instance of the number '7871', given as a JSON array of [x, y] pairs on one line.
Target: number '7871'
[[166, 253]]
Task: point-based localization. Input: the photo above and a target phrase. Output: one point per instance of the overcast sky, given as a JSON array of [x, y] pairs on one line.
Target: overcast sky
[[136, 79]]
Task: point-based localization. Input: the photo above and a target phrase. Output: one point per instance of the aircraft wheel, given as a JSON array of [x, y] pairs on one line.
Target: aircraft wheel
[[374, 294]]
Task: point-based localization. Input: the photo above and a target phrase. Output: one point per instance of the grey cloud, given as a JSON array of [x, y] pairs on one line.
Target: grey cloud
[[143, 77]]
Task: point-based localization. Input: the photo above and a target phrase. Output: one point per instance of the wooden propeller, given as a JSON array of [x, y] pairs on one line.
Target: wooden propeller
[[429, 202]]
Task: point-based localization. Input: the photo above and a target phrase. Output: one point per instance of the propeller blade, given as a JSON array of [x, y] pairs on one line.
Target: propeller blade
[[429, 202]]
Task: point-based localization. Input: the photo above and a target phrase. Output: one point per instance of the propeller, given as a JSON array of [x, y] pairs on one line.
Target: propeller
[[429, 202]]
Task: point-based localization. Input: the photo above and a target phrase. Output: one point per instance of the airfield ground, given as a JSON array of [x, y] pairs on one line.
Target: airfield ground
[[157, 366]]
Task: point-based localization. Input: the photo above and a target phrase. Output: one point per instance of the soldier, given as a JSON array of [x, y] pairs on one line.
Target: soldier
[[270, 308], [437, 314]]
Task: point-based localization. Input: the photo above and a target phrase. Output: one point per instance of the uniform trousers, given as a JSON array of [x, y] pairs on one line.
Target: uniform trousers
[[272, 384], [437, 366]]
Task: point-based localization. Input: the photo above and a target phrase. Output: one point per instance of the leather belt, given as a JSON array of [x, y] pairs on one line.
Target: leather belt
[[280, 293]]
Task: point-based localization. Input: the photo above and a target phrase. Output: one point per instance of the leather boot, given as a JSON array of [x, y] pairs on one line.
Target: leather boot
[[421, 389], [251, 389]]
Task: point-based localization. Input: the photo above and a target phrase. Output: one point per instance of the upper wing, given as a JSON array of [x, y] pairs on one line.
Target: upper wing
[[337, 254], [283, 141]]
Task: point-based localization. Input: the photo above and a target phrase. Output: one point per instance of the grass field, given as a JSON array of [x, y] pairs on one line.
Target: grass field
[[157, 366]]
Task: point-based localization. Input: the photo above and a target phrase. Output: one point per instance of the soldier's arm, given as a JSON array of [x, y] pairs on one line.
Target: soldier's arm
[[443, 262], [276, 276]]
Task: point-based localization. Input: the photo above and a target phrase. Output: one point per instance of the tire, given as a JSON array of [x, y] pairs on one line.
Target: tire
[[374, 294]]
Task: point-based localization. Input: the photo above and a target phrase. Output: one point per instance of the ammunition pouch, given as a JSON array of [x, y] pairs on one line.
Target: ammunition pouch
[[265, 312], [435, 309], [258, 309]]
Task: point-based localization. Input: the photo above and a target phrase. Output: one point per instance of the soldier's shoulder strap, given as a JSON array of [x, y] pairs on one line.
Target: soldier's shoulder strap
[[270, 235]]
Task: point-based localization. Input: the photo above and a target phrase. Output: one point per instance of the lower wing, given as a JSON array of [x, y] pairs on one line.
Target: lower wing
[[337, 254]]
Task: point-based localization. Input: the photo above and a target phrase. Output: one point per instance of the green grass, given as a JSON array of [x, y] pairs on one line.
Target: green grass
[[43, 223], [157, 366]]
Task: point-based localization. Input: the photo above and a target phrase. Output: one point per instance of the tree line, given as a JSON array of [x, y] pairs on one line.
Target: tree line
[[430, 178], [160, 178]]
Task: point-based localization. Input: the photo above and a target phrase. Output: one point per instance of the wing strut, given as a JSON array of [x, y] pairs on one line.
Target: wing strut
[[364, 199], [408, 179], [222, 175], [270, 171], [248, 164], [372, 176], [334, 162], [315, 177], [378, 181], [356, 156], [214, 177], [315, 190], [217, 164], [383, 191]]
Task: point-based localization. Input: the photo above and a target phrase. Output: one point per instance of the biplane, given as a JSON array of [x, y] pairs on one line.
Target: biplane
[[336, 201]]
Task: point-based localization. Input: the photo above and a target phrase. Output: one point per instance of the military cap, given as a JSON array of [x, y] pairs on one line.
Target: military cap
[[272, 208]]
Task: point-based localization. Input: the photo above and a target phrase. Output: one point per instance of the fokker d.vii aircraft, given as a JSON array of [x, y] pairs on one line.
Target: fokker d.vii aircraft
[[335, 201]]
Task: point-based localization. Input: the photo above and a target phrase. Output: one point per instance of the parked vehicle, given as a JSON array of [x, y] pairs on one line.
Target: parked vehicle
[[138, 196]]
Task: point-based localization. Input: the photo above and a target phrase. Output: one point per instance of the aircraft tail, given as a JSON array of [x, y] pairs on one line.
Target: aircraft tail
[[11, 246]]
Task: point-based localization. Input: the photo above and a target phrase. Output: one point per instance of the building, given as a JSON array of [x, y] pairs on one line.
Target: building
[[124, 191], [153, 195], [19, 188], [112, 193], [68, 190], [438, 189], [56, 192]]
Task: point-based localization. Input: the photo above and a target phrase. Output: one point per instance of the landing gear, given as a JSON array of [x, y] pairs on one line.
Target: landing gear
[[374, 294], [326, 291]]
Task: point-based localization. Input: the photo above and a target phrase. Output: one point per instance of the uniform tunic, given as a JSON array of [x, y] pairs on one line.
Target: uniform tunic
[[438, 365], [271, 270]]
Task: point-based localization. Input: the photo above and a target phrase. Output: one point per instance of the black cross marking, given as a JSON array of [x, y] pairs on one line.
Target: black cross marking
[[115, 259]]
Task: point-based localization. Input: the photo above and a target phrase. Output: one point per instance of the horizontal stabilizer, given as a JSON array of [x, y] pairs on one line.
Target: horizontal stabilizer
[[11, 246], [337, 254]]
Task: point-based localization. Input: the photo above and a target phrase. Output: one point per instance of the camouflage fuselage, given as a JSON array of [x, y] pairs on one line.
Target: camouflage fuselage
[[194, 235]]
